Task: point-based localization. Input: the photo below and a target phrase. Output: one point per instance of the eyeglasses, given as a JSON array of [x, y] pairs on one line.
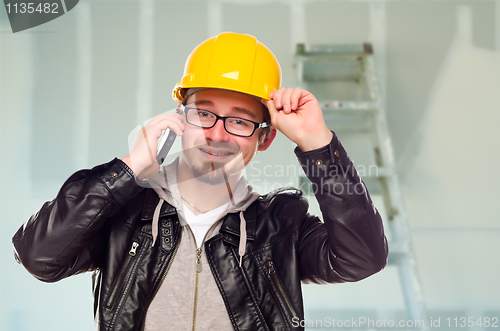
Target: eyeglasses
[[234, 125]]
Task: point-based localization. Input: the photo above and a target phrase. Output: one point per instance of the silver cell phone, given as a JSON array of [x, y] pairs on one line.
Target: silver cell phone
[[167, 145]]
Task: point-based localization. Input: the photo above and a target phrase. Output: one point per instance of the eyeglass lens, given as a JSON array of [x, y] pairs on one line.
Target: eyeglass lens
[[233, 125]]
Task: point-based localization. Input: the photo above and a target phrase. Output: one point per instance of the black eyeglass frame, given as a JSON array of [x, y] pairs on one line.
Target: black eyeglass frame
[[223, 118]]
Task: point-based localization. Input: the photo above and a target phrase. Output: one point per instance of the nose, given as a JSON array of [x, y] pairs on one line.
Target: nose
[[217, 132]]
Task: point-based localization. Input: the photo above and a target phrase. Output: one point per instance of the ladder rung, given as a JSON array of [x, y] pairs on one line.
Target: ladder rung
[[399, 247], [397, 250], [365, 106], [334, 49], [324, 70]]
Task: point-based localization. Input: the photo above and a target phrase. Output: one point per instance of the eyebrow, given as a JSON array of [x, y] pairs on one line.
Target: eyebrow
[[237, 109]]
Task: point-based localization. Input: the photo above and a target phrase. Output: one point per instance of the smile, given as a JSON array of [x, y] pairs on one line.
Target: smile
[[216, 154]]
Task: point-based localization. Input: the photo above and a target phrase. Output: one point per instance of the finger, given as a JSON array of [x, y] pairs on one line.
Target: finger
[[163, 117], [273, 112], [168, 122], [277, 96], [175, 124], [158, 118], [295, 97], [178, 129], [285, 100]]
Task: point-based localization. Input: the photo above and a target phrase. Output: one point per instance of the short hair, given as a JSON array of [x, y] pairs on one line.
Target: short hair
[[269, 128]]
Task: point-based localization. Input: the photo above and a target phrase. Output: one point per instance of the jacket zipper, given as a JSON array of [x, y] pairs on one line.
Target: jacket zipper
[[277, 282], [177, 244], [131, 254], [198, 269], [133, 268], [198, 266]]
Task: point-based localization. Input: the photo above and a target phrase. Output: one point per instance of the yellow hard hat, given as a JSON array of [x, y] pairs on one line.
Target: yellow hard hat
[[231, 61]]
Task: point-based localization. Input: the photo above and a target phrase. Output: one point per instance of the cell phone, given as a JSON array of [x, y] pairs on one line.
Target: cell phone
[[167, 145]]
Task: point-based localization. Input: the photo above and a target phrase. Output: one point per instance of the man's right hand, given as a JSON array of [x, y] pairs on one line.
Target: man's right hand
[[142, 157]]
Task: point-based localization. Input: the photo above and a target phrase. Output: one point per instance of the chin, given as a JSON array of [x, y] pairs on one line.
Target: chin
[[223, 171], [212, 171]]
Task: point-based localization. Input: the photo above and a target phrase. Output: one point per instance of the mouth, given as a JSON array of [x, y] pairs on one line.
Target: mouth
[[215, 153]]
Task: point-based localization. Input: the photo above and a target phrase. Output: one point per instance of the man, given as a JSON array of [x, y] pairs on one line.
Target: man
[[196, 249]]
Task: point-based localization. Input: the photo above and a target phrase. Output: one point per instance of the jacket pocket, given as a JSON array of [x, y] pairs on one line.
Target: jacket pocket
[[276, 281], [122, 276]]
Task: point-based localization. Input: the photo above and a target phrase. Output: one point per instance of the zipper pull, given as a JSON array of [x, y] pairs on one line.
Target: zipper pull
[[198, 260], [133, 249], [270, 266]]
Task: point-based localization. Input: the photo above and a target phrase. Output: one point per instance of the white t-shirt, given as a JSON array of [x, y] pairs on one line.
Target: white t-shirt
[[200, 224]]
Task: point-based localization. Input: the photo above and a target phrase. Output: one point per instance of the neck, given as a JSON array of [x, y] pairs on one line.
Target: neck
[[204, 196]]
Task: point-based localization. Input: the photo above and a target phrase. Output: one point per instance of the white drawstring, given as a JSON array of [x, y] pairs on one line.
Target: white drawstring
[[156, 217], [243, 237]]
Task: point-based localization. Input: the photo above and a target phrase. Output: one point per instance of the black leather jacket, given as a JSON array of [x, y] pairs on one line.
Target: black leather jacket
[[101, 221]]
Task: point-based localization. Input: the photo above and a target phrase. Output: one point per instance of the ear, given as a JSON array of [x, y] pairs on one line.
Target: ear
[[267, 140]]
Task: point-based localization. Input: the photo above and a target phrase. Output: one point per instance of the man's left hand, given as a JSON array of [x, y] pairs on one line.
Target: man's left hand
[[297, 114]]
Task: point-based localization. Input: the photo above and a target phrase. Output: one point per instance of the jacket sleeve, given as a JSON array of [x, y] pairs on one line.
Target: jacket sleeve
[[349, 244], [67, 235]]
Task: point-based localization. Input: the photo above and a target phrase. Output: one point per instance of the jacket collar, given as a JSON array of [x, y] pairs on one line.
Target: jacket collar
[[231, 225], [243, 196], [150, 203]]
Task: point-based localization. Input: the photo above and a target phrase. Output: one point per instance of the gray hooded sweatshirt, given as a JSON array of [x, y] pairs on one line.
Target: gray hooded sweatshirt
[[188, 298]]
